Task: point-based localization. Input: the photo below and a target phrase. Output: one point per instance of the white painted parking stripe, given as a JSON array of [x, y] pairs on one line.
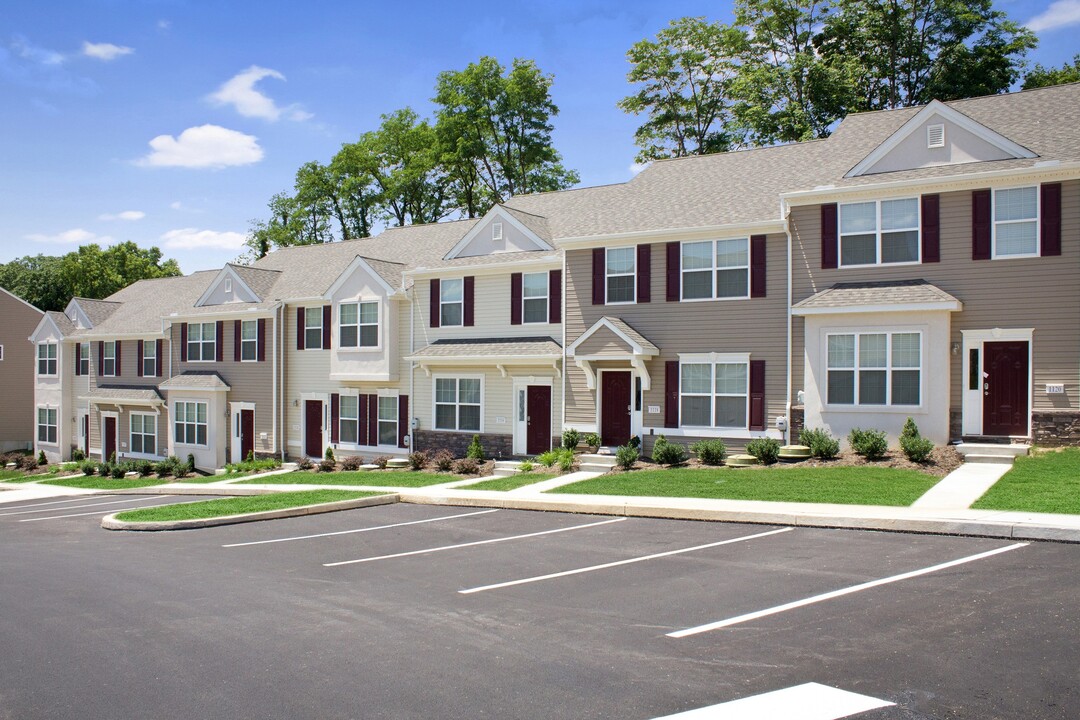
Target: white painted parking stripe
[[810, 701], [360, 530], [839, 593], [473, 544], [617, 563], [68, 499], [98, 512], [74, 507]]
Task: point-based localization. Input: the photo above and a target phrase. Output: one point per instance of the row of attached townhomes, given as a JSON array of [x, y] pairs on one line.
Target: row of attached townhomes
[[919, 262]]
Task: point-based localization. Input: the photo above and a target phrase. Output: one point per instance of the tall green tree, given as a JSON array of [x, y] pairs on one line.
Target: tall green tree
[[36, 279], [1040, 76]]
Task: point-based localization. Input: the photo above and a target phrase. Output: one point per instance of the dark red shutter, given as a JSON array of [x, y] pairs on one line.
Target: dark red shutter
[[674, 258], [118, 370], [335, 415], [237, 338], [301, 326], [757, 394], [260, 343], [515, 299], [183, 342], [980, 225], [644, 273], [327, 330], [139, 360], [931, 229], [757, 266], [828, 236], [1050, 217], [219, 341], [470, 298], [671, 394], [373, 420], [361, 420], [433, 302], [78, 360], [158, 359], [402, 419], [599, 273], [555, 296], [101, 358]]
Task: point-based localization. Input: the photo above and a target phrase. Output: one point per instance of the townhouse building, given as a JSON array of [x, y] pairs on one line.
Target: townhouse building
[[17, 359]]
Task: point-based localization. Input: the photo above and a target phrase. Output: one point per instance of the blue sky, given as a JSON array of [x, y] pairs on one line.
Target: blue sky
[[112, 109]]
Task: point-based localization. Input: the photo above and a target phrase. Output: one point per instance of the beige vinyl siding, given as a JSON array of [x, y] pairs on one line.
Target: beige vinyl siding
[[306, 371], [129, 365], [17, 414], [1040, 292]]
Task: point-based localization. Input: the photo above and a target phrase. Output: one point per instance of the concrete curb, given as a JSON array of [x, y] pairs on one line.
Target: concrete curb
[[109, 522], [177, 489]]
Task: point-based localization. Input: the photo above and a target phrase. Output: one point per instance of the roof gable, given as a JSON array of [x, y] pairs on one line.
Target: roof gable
[[360, 274], [502, 231], [228, 287], [611, 336]]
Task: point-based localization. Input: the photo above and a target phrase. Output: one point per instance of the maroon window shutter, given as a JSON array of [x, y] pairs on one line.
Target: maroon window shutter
[[757, 394], [644, 273], [757, 266], [671, 394], [101, 358], [361, 420], [158, 359], [327, 330], [300, 327], [373, 420], [555, 296], [828, 236], [260, 342], [183, 342], [402, 419], [980, 225], [1050, 218], [219, 343], [78, 361], [139, 360], [674, 258], [433, 302], [599, 273], [335, 415], [515, 299], [119, 370], [237, 337], [931, 229], [469, 287]]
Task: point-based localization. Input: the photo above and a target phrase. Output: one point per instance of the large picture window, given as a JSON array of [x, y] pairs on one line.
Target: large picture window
[[874, 369], [358, 325], [46, 425], [202, 342], [879, 232], [713, 394], [451, 302], [715, 269], [621, 275], [46, 359], [190, 423], [534, 297], [388, 420], [349, 419], [144, 434], [457, 404], [1016, 222]]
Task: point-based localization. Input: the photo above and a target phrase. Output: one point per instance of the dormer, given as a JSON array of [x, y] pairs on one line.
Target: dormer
[[364, 320], [938, 135], [503, 230], [238, 284]]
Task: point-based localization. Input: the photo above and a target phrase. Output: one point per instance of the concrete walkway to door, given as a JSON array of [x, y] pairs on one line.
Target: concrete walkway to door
[[963, 486]]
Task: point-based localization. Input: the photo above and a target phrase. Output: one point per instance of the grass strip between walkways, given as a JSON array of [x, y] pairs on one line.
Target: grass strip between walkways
[[1045, 483], [96, 482], [378, 478], [511, 482], [239, 505], [842, 485]]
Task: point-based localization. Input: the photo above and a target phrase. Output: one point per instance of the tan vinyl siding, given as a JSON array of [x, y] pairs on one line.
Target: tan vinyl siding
[[17, 414]]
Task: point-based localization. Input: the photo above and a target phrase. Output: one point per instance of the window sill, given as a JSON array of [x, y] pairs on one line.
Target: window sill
[[714, 299], [709, 432], [880, 264], [356, 350], [876, 409], [1018, 256]]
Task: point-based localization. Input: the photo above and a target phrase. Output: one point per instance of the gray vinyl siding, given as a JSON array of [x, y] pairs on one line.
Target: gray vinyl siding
[[17, 414]]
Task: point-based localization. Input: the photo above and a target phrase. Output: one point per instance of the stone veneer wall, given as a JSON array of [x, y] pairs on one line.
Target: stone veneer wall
[[1056, 429], [495, 445]]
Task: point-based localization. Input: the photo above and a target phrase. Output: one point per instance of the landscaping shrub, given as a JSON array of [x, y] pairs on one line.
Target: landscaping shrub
[[592, 440], [871, 444], [250, 456], [418, 460], [329, 455], [821, 443], [710, 452], [626, 456], [352, 463], [443, 459], [381, 461], [182, 469], [910, 429], [476, 450], [305, 463], [668, 453], [467, 466], [526, 466], [112, 457], [915, 446], [41, 459], [190, 464], [104, 469], [145, 468], [326, 466], [562, 457], [570, 438], [77, 455], [635, 442], [765, 449], [118, 471], [88, 467], [29, 463]]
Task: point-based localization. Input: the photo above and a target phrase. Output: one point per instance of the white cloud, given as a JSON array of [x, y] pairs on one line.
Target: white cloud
[[164, 25], [205, 146], [125, 215], [176, 205], [34, 53], [78, 236], [240, 92], [1061, 13], [195, 239], [105, 51], [635, 168]]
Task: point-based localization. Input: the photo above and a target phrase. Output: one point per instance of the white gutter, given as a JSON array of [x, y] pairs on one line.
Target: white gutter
[[545, 260], [785, 213], [750, 228]]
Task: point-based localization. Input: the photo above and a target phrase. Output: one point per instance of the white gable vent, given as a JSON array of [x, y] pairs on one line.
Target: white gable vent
[[496, 231], [935, 136], [228, 285]]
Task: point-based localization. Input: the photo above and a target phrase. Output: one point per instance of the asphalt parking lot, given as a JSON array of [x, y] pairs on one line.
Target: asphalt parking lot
[[410, 611]]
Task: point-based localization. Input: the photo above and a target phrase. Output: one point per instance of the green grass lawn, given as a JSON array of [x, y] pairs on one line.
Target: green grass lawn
[[1049, 483], [96, 482], [378, 478], [239, 505], [844, 485], [18, 476], [513, 482]]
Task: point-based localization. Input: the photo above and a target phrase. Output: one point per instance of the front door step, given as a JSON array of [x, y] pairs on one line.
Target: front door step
[[992, 452]]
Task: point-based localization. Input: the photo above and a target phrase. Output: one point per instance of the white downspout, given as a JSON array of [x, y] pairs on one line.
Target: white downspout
[[412, 364], [565, 369], [785, 213], [274, 390], [279, 421]]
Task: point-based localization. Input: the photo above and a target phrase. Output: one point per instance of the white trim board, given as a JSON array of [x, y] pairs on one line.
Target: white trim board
[[503, 216]]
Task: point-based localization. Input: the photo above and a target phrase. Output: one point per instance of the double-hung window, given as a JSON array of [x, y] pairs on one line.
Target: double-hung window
[[874, 369], [149, 358], [451, 302], [621, 275], [349, 419], [202, 342], [84, 358], [713, 394], [1016, 222], [190, 423], [46, 425], [879, 232], [143, 434], [46, 359], [388, 420], [249, 340], [534, 297], [108, 359], [313, 330], [359, 325], [716, 269], [457, 404]]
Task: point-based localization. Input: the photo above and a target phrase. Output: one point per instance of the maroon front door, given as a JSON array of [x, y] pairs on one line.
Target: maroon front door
[[615, 402], [313, 428], [247, 433], [1005, 388], [108, 437], [538, 437]]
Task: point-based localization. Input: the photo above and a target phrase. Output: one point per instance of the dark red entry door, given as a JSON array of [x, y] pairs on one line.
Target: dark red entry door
[[538, 437], [108, 437], [313, 428], [615, 399], [1005, 388], [247, 433]]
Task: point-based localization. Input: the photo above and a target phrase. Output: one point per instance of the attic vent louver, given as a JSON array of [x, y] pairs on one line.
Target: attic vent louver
[[228, 285], [935, 136], [496, 231]]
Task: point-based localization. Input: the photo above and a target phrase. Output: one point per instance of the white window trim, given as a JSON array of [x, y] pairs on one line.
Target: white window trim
[[80, 359], [713, 359], [397, 411], [342, 418], [361, 446], [435, 403], [156, 435], [55, 359], [55, 424], [253, 341], [380, 324], [878, 232], [202, 342], [460, 302], [149, 346], [105, 359], [546, 297], [318, 345], [888, 406], [1, 353], [994, 223], [175, 421], [608, 275], [712, 269]]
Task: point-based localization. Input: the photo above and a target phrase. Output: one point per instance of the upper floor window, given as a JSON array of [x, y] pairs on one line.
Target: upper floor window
[[713, 394], [202, 342], [84, 358], [46, 359], [621, 275], [46, 425], [534, 297], [716, 269], [879, 232], [249, 340], [359, 325], [1016, 222], [313, 330], [190, 423], [149, 358], [108, 359], [452, 302], [874, 369]]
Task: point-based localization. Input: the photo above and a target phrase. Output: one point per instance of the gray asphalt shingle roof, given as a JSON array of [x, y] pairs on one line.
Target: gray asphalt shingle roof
[[200, 379], [491, 348], [886, 292], [123, 393], [96, 311]]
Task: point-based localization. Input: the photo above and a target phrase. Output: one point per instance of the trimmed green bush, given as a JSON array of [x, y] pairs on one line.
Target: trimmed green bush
[[443, 459], [668, 453], [915, 447], [77, 455], [326, 466], [467, 466], [871, 444], [525, 466], [626, 456], [41, 459], [592, 440], [381, 461], [304, 463], [418, 460], [570, 438], [821, 443], [765, 449], [88, 467], [710, 452], [352, 463], [145, 468], [118, 471], [910, 429], [476, 450], [329, 454]]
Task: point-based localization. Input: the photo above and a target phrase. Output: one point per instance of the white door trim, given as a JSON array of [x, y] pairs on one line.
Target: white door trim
[[234, 431], [972, 407], [520, 424]]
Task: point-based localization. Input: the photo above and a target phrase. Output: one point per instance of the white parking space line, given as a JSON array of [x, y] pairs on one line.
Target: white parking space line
[[839, 593], [359, 530], [474, 544], [617, 563], [68, 499], [810, 701], [74, 507], [97, 512]]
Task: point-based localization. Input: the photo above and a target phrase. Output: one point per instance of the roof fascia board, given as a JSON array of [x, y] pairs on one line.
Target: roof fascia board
[[358, 262], [502, 215], [605, 323], [225, 271], [554, 261], [733, 229], [46, 318], [483, 359], [226, 314], [943, 306], [79, 312]]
